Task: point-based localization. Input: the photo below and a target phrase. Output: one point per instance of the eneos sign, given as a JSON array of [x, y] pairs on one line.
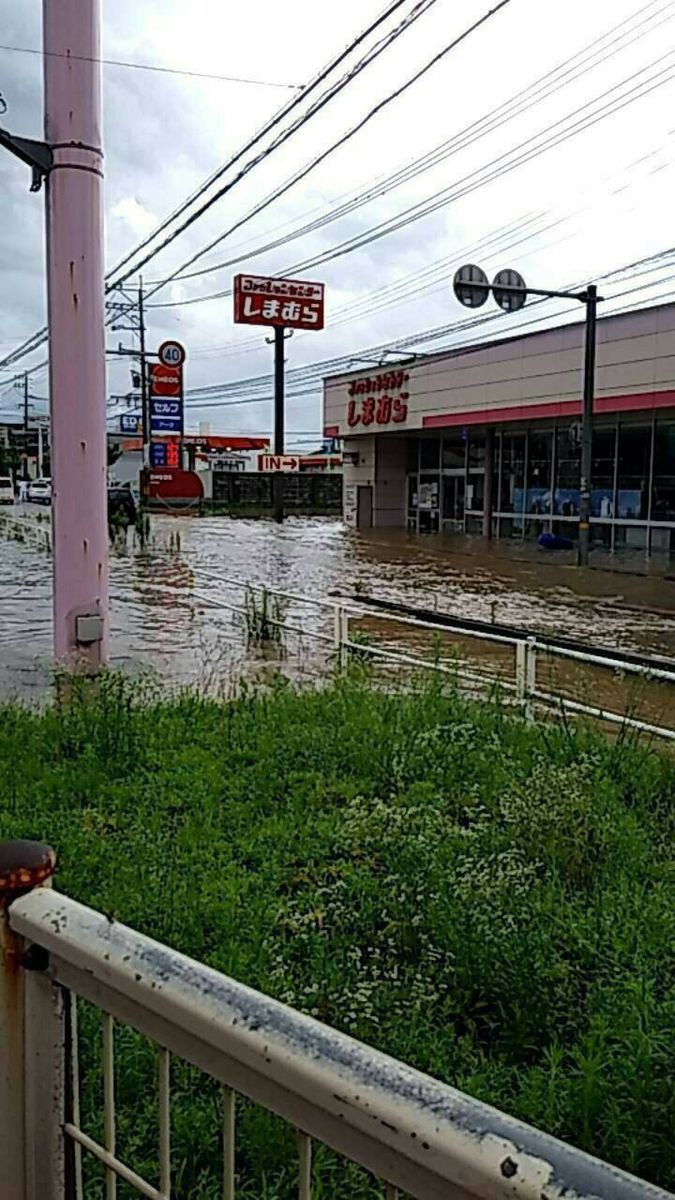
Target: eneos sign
[[165, 381], [291, 303]]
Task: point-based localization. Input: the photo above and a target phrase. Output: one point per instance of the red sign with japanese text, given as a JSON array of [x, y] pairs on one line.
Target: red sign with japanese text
[[378, 400], [293, 303], [165, 381]]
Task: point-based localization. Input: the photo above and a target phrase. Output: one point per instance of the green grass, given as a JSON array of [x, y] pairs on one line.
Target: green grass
[[488, 900]]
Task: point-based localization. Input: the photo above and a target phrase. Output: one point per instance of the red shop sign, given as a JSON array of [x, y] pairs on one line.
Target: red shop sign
[[378, 400], [292, 303]]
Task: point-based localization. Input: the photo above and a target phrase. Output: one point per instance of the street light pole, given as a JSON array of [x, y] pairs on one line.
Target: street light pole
[[72, 77], [472, 289], [587, 426]]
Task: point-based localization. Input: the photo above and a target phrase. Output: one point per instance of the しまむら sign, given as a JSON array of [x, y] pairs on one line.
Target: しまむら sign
[[292, 303]]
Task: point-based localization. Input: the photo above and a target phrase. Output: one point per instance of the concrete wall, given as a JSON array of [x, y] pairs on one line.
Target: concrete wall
[[636, 356], [389, 497], [381, 466], [360, 473]]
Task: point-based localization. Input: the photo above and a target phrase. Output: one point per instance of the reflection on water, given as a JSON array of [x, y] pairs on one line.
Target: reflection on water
[[163, 598]]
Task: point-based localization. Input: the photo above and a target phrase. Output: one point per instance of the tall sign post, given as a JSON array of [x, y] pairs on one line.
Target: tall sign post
[[166, 405], [472, 288], [72, 79], [285, 304], [279, 421], [71, 160]]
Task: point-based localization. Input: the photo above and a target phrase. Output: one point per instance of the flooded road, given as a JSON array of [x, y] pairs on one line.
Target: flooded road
[[170, 599]]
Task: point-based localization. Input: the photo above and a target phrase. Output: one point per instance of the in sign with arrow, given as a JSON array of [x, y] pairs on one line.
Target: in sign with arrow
[[278, 462]]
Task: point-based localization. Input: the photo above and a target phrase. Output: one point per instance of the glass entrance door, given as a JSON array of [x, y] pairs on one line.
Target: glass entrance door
[[454, 501]]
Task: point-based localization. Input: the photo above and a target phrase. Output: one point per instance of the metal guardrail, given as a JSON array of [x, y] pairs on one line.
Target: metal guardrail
[[522, 685], [409, 1130], [26, 529]]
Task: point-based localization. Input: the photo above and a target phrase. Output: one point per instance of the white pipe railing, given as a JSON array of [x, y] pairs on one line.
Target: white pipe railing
[[410, 1131], [527, 652], [26, 529]]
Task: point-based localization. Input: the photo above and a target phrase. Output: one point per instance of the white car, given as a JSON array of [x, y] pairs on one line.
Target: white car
[[6, 490], [40, 491]]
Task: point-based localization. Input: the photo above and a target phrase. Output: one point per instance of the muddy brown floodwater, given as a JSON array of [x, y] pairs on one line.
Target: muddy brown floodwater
[[168, 598]]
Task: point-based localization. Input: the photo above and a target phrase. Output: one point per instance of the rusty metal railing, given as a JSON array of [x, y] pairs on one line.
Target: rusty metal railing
[[411, 1132]]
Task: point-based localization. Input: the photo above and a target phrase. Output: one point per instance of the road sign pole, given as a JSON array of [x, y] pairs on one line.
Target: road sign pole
[[72, 77], [145, 401], [587, 425], [278, 478]]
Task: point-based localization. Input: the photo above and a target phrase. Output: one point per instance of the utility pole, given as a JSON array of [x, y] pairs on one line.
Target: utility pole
[[144, 378], [279, 432], [26, 475], [587, 425], [72, 77]]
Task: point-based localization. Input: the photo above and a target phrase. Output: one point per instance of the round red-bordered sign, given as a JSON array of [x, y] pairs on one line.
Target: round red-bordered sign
[[171, 354]]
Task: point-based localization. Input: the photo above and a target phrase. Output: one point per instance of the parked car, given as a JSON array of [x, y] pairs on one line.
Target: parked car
[[40, 491], [6, 490], [121, 505]]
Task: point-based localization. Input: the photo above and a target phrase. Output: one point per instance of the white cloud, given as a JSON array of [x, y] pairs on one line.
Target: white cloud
[[137, 219]]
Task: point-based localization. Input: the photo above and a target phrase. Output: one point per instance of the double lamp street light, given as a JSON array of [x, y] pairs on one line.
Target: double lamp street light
[[472, 288]]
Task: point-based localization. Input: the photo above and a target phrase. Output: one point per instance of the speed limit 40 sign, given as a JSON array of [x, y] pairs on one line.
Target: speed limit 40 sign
[[171, 354]]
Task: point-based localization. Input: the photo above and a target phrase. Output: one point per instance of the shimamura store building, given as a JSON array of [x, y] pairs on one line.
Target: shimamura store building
[[485, 439]]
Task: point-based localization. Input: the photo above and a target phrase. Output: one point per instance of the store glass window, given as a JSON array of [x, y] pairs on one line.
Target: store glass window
[[630, 537], [632, 493], [512, 482], [476, 451], [430, 450], [567, 471], [663, 487], [412, 454], [428, 493], [454, 450], [475, 492], [601, 535], [602, 472], [539, 468]]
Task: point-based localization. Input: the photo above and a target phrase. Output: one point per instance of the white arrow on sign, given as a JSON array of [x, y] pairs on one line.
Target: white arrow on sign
[[278, 462]]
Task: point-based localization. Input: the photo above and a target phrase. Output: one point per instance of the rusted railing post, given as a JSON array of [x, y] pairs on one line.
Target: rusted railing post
[[23, 866]]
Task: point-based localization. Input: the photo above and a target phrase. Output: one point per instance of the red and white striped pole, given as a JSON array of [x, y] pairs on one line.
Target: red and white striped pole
[[72, 73]]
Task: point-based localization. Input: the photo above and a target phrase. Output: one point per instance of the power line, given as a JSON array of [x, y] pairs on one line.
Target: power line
[[504, 239], [38, 339], [520, 154], [325, 258], [342, 141], [420, 8], [541, 88], [314, 372], [269, 125], [136, 66]]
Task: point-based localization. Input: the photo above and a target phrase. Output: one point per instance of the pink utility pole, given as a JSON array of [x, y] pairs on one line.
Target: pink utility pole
[[72, 74]]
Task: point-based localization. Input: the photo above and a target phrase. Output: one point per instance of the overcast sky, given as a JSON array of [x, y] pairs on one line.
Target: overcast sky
[[606, 193]]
